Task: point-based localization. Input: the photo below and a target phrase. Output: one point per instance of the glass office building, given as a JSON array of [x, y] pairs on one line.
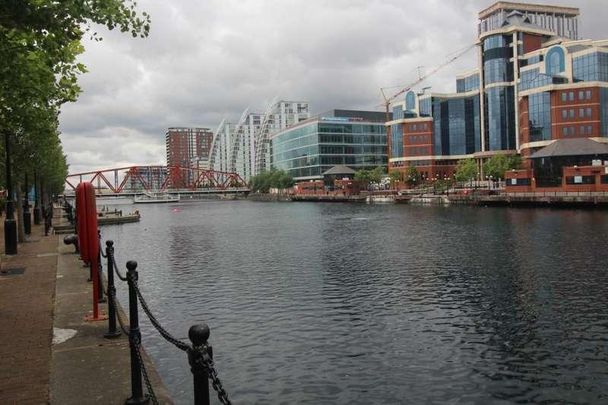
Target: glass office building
[[536, 83], [356, 139]]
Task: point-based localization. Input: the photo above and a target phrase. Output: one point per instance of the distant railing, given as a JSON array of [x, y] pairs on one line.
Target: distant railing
[[200, 352]]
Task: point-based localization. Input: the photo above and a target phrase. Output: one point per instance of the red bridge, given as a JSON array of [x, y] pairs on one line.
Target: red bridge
[[171, 179]]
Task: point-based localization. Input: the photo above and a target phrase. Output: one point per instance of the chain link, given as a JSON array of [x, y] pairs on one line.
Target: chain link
[[118, 273], [144, 305], [125, 328], [144, 372], [205, 360]]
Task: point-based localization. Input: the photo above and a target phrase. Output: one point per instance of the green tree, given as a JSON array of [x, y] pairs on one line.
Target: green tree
[[497, 165], [466, 170], [395, 177], [412, 176], [39, 44], [263, 182], [376, 174], [363, 177]]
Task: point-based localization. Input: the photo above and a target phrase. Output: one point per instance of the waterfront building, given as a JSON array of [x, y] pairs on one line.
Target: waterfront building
[[278, 116], [183, 145], [536, 83], [244, 148], [356, 139]]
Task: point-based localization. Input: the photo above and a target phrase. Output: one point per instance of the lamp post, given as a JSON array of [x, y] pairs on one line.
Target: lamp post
[[10, 225]]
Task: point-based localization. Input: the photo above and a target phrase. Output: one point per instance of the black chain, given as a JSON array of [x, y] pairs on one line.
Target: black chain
[[120, 276], [144, 373], [168, 337], [207, 363], [125, 328]]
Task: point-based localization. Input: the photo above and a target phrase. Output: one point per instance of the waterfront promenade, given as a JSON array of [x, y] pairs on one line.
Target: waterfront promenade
[[42, 287]]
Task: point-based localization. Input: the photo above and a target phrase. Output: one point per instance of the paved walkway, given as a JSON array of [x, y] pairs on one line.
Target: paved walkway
[[53, 292], [26, 318]]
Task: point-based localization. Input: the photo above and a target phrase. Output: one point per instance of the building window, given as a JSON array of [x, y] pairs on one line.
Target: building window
[[581, 95], [571, 96], [589, 130], [564, 114], [571, 113], [588, 112], [588, 94], [564, 96]]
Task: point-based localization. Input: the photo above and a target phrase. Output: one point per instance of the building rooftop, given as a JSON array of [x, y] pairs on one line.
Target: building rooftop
[[572, 147], [534, 8], [339, 170]]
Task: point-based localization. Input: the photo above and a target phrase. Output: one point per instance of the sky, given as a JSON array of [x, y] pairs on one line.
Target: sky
[[208, 60]]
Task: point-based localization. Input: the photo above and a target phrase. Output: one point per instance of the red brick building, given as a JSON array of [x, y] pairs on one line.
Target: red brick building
[[185, 145]]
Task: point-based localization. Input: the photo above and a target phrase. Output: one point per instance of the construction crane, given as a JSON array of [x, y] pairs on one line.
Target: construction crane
[[421, 78]]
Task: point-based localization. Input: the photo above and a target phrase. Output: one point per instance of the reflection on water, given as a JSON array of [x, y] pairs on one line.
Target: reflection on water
[[338, 303]]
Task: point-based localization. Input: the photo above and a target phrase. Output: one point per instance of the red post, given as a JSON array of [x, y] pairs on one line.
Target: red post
[[82, 222], [91, 240]]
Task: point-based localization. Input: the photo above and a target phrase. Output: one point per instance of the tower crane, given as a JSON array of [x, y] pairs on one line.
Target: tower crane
[[421, 78]]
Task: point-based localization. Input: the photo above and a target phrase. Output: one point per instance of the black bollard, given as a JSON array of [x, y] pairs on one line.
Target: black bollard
[[137, 392], [72, 240], [48, 220], [112, 330], [198, 335]]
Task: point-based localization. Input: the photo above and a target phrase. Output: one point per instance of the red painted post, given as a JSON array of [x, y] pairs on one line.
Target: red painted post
[[91, 238], [81, 216]]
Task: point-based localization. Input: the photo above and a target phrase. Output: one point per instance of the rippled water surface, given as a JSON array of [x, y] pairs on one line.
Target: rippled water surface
[[357, 304]]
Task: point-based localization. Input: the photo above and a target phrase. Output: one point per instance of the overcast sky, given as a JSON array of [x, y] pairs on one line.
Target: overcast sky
[[205, 60]]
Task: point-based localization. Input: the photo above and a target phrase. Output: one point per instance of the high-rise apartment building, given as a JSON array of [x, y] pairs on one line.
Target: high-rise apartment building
[[185, 145], [244, 148], [278, 116], [536, 83]]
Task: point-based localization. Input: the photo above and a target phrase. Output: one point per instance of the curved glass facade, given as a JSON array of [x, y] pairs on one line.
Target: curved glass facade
[[539, 116], [456, 125], [496, 54], [591, 67], [531, 79], [500, 118], [555, 62], [310, 150], [468, 83], [410, 101]]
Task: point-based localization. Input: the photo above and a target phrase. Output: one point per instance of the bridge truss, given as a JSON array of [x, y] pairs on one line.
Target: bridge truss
[[134, 179]]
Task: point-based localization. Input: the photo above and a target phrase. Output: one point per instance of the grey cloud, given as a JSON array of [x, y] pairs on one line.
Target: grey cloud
[[207, 60]]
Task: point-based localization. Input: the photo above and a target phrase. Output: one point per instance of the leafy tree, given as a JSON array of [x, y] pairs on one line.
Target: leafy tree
[[39, 43], [497, 165], [362, 176], [376, 174], [466, 170], [412, 176], [395, 177], [273, 178]]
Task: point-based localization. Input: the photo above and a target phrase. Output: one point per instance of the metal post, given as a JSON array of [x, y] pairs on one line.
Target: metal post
[[112, 330], [10, 225], [27, 216], [100, 296], [199, 334], [137, 392]]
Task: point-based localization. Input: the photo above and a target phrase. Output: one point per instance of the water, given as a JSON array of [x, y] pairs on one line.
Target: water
[[356, 304]]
